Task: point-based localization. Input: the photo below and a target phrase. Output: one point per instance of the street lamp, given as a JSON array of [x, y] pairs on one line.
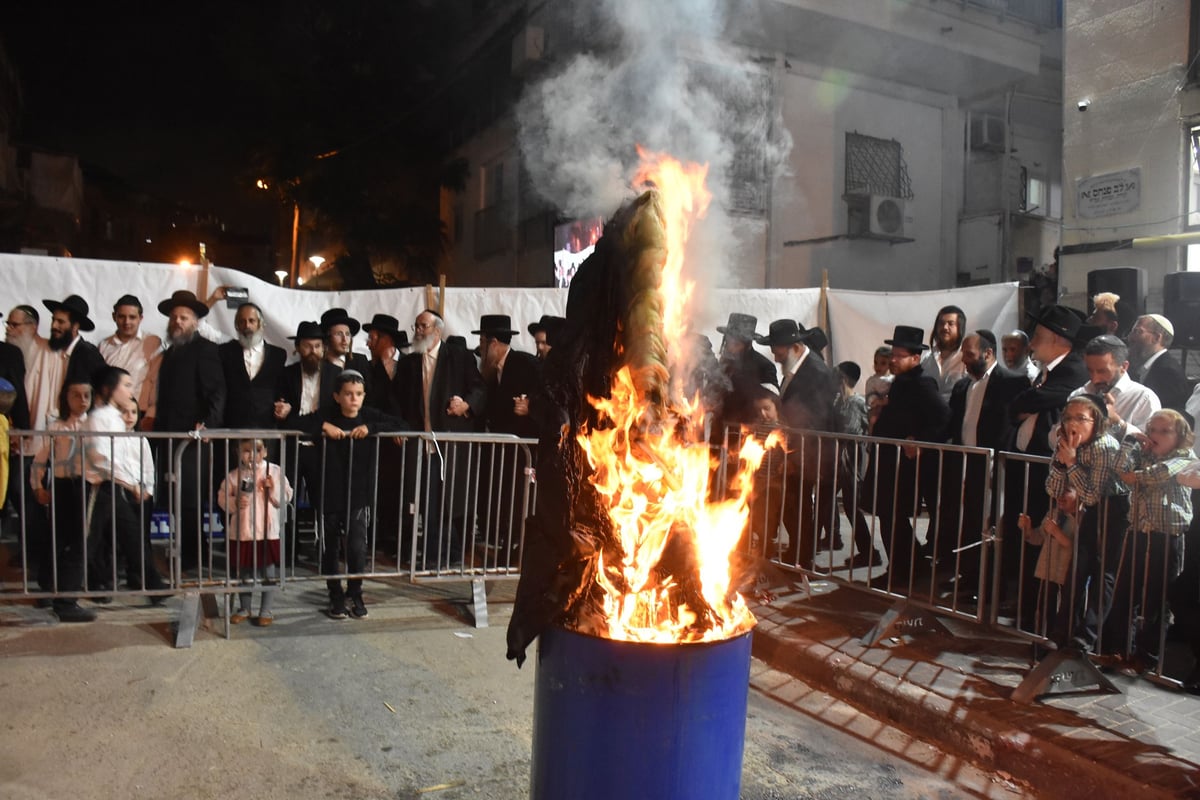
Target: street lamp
[[281, 274], [316, 261]]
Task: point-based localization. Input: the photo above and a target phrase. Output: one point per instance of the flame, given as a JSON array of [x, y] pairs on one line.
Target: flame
[[655, 477]]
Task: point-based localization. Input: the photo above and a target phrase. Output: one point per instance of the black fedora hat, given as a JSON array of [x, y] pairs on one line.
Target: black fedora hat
[[182, 298], [386, 323], [1061, 320], [547, 322], [740, 326], [495, 325], [908, 337], [339, 316], [782, 332], [816, 339], [308, 330], [77, 307]]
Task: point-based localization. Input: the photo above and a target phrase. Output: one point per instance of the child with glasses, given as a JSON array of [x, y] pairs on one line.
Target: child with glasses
[[1161, 510], [1085, 462]]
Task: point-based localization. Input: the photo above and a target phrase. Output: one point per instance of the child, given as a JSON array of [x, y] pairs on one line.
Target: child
[[1056, 538], [854, 418], [252, 495], [65, 503], [120, 473], [1086, 461], [1161, 510], [346, 510], [881, 382], [766, 501]]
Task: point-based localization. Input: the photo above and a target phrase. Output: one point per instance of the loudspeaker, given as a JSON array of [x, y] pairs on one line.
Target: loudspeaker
[[1128, 283], [1181, 305]]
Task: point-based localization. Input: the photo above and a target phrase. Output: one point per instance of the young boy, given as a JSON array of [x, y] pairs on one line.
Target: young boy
[[881, 382], [348, 494]]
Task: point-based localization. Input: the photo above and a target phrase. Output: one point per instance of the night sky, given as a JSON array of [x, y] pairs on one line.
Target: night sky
[[186, 102]]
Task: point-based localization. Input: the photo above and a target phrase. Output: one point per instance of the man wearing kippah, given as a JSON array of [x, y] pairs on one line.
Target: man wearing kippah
[[1158, 370]]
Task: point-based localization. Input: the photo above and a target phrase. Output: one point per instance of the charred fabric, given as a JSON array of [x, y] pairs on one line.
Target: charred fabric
[[614, 320]]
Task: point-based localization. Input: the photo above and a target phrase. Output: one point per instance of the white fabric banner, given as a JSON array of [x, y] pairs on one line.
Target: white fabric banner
[[860, 321]]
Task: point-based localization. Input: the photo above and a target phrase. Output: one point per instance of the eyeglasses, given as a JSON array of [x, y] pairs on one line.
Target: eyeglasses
[[1078, 418], [11, 324], [427, 326]]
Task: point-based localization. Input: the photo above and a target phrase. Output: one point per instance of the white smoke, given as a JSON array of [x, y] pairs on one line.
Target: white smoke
[[661, 77]]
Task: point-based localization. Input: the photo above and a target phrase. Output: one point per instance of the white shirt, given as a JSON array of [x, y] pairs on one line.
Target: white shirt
[[253, 358], [975, 394], [125, 459], [1031, 369], [946, 371], [310, 391], [428, 367], [1132, 401], [133, 356]]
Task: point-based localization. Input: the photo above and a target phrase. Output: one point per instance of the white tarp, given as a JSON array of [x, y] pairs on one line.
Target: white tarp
[[860, 320]]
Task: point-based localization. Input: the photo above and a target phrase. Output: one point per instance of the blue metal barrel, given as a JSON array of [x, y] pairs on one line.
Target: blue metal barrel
[[623, 720]]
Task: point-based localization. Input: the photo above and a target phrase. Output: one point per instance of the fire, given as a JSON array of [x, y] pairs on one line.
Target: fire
[[653, 470]]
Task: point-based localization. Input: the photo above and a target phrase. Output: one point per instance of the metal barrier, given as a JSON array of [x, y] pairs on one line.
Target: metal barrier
[[931, 562], [420, 506]]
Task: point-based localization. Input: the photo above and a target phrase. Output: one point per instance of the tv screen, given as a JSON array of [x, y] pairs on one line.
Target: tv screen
[[573, 243]]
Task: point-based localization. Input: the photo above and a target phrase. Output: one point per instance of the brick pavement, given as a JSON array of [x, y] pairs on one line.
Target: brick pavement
[[954, 689]]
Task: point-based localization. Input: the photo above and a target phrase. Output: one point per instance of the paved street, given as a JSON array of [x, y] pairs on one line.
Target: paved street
[[412, 702]]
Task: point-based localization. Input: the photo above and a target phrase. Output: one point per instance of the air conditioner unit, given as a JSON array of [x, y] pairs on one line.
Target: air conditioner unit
[[987, 133], [877, 216]]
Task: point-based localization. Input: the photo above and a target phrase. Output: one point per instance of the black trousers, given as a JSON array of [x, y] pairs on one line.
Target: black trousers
[[116, 518]]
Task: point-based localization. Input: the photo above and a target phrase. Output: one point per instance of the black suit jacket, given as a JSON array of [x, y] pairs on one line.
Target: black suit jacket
[[289, 388], [382, 395], [994, 427], [455, 374], [191, 387], [521, 376], [914, 408], [1047, 402], [1166, 379], [12, 369], [746, 375], [808, 400], [251, 402]]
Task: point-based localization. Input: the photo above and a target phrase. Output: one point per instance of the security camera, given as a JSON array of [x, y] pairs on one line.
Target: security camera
[[1082, 105]]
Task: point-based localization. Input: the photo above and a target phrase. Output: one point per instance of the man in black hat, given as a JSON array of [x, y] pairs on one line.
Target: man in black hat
[[253, 368], [340, 329], [512, 378], [544, 332], [915, 410], [440, 390], [747, 369], [385, 340], [70, 359], [191, 396], [306, 386], [806, 399], [1033, 412], [133, 351]]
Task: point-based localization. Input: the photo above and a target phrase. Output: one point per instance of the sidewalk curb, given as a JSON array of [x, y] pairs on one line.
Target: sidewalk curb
[[985, 730]]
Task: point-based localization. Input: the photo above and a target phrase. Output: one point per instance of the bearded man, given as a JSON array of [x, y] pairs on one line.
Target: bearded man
[[252, 370], [943, 361]]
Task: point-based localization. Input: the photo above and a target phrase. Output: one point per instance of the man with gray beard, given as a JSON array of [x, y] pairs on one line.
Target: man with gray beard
[[252, 370], [191, 397]]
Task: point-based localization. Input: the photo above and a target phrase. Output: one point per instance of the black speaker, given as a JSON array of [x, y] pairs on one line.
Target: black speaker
[[1181, 305], [1128, 283]]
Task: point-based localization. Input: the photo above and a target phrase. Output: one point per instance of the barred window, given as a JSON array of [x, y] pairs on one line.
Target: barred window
[[876, 166]]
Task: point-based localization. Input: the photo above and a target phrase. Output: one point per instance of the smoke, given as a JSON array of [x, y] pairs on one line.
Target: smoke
[[660, 75]]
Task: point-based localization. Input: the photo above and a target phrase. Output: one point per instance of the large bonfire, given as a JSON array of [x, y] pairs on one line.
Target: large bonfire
[[626, 541]]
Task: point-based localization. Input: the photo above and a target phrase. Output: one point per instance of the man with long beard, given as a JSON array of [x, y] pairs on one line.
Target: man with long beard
[[440, 390], [67, 359], [191, 397], [252, 370]]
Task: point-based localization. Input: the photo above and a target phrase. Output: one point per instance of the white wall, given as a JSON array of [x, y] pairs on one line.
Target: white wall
[[819, 112], [1128, 59]]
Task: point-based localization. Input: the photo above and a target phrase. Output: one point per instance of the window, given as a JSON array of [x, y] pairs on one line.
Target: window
[[876, 166], [492, 185]]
